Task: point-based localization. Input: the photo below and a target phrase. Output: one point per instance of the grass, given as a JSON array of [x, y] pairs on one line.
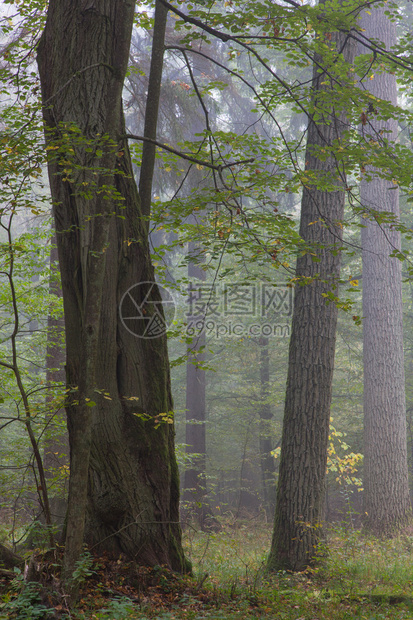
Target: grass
[[237, 552], [361, 577], [362, 563]]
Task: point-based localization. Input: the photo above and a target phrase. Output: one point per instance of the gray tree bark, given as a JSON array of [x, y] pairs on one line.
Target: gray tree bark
[[301, 487], [386, 492], [124, 487]]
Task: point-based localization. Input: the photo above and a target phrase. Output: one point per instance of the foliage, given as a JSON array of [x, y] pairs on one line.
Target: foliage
[[342, 464], [343, 467], [118, 609], [24, 601], [83, 569], [28, 404], [241, 200]]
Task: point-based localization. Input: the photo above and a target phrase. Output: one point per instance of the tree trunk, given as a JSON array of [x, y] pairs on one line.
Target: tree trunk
[[152, 108], [267, 461], [386, 492], [195, 491], [124, 476], [9, 559], [194, 494], [56, 448], [301, 487]]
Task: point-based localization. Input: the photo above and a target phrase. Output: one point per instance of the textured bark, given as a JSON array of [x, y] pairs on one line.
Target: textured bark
[[386, 492], [132, 488], [301, 486]]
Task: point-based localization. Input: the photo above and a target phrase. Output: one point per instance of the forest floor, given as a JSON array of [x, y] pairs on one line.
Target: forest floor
[[359, 577]]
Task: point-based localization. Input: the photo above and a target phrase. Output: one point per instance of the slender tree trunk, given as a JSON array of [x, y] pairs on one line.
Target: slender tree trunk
[[124, 487], [56, 448], [195, 489], [387, 504], [301, 487], [152, 108], [194, 494], [267, 461]]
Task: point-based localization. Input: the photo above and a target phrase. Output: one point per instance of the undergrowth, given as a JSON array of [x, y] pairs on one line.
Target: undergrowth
[[361, 577]]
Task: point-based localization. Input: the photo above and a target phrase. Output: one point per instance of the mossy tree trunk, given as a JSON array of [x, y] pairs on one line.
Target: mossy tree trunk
[[124, 487], [299, 508]]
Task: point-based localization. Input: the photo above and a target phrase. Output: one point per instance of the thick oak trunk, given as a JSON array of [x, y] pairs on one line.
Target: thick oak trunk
[[132, 492], [301, 487]]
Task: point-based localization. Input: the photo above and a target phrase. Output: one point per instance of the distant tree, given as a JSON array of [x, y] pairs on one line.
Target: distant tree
[[195, 493], [387, 504], [56, 449], [267, 461]]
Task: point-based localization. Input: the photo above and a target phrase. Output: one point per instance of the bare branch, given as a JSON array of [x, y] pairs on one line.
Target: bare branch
[[189, 156]]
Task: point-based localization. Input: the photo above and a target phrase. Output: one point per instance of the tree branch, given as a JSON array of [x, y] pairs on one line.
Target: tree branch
[[188, 156]]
